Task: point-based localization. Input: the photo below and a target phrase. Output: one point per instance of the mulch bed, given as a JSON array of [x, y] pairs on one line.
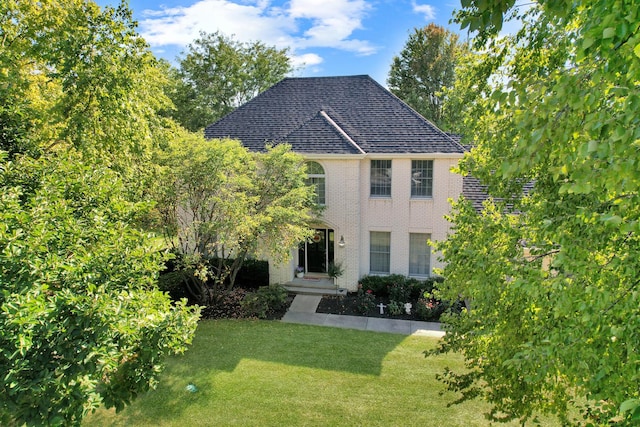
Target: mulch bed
[[277, 315], [331, 304], [230, 307], [347, 305]]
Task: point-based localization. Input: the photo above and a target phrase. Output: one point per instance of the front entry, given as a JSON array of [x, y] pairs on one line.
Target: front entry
[[316, 254]]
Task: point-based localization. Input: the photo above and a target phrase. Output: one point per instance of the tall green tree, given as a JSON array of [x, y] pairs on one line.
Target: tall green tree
[[550, 266], [424, 67], [221, 202], [81, 321], [218, 74], [82, 76]]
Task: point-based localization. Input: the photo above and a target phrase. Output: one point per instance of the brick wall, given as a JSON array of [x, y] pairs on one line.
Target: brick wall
[[352, 213]]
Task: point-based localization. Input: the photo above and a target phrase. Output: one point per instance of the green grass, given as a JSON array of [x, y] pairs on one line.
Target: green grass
[[267, 373]]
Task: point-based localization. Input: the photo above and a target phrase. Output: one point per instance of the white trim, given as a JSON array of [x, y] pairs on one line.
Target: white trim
[[415, 156], [383, 156], [326, 156]]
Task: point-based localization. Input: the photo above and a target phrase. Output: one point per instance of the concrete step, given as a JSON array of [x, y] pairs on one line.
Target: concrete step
[[313, 286], [314, 291]]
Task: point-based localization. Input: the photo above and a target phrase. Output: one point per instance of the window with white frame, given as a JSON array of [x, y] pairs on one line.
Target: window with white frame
[[419, 254], [381, 178], [316, 178], [421, 178], [380, 252]]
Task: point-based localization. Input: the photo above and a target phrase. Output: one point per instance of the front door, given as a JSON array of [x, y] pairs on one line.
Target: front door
[[317, 253]]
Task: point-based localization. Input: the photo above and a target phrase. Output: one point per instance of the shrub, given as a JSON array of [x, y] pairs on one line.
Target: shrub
[[422, 287], [416, 287], [267, 299], [395, 308], [379, 285], [399, 291], [365, 300], [429, 309], [172, 283], [253, 274]]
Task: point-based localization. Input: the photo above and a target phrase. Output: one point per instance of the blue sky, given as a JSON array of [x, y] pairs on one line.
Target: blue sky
[[325, 37]]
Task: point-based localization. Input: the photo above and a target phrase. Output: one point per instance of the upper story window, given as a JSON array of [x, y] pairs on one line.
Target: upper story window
[[381, 178], [316, 178], [421, 178]]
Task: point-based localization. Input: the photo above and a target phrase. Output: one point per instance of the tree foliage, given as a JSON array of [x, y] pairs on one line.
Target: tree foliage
[[551, 265], [79, 75], [220, 202], [218, 74], [81, 320], [424, 67]]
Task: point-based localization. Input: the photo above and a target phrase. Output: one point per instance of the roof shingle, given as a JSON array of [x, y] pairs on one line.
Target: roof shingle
[[335, 115]]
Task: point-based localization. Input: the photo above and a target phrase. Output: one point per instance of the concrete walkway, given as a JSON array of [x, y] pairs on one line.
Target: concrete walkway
[[303, 310]]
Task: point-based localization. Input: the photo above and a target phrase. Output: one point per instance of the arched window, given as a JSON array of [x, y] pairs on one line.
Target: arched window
[[315, 177]]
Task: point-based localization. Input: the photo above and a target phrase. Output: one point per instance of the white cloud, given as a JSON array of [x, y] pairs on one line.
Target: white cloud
[[181, 25], [332, 23], [296, 24], [427, 10], [306, 60]]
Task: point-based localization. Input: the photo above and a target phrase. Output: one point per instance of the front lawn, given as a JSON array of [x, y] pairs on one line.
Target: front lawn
[[268, 373]]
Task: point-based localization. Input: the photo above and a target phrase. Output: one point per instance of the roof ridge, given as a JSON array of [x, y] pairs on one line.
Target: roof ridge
[[302, 124], [328, 77], [342, 132]]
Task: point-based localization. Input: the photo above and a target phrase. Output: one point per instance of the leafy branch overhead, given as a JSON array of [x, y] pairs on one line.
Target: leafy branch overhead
[[551, 270]]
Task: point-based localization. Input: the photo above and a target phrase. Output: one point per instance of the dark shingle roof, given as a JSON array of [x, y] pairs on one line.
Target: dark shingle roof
[[475, 192], [339, 115], [472, 189]]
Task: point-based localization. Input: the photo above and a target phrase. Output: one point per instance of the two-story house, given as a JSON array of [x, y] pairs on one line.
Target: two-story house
[[381, 170]]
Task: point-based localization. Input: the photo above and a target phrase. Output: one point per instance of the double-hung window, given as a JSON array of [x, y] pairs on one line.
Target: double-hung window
[[421, 178], [316, 179], [381, 178], [380, 252], [419, 254]]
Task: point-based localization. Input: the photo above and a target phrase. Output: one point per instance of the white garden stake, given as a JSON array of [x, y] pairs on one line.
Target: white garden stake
[[407, 307], [381, 306]]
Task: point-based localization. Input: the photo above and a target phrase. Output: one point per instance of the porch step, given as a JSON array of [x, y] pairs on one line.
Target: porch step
[[313, 286]]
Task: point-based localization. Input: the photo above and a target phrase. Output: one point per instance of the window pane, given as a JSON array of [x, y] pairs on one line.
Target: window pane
[[314, 168], [421, 178], [419, 254], [380, 252], [316, 178], [318, 183], [381, 177]]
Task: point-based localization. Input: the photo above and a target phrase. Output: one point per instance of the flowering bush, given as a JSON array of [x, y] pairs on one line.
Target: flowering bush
[[299, 269], [365, 300], [430, 309]]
